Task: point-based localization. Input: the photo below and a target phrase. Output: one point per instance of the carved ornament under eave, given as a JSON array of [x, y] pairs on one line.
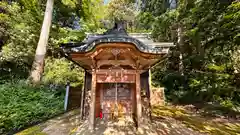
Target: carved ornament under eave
[[116, 77]]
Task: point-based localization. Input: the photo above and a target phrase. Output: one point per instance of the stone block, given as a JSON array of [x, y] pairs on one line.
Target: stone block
[[157, 96]]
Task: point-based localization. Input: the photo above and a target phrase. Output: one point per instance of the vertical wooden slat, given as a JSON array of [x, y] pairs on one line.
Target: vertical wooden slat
[[93, 101], [82, 96], [101, 98], [149, 94], [150, 79], [86, 102], [138, 98]]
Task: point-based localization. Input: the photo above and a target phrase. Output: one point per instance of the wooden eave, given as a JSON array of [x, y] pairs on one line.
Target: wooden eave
[[129, 56], [142, 52]]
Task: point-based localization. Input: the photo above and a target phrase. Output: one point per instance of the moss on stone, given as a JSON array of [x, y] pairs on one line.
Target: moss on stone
[[36, 130]]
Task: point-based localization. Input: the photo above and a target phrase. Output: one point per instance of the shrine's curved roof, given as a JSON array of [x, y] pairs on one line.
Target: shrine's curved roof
[[93, 42], [117, 35]]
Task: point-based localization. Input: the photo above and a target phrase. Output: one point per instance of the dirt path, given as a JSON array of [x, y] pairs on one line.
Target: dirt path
[[61, 125], [166, 121], [126, 127]]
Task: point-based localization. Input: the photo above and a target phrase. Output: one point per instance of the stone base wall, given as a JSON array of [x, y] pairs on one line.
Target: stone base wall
[[157, 96], [146, 109]]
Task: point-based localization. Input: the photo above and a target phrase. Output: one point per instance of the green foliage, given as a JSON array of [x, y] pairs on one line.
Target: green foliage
[[144, 20], [62, 35], [155, 7], [20, 32], [61, 71], [21, 25], [216, 67], [70, 3], [210, 52], [23, 32], [236, 60], [22, 105], [95, 13], [156, 16], [120, 10], [163, 26]]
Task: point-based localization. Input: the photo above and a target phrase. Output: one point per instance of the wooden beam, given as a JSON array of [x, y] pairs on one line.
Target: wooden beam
[[137, 62], [138, 99], [96, 53], [150, 79], [93, 102], [116, 63], [130, 55], [94, 63], [112, 78], [107, 71], [103, 52]]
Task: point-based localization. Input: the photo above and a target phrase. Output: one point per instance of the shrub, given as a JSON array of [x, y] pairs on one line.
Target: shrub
[[22, 105], [60, 71]]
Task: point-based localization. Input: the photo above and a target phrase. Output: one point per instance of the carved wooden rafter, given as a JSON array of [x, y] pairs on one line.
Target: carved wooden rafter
[[148, 65], [128, 55], [138, 60], [96, 53]]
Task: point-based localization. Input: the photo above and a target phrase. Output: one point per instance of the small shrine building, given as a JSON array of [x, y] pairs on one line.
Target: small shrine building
[[116, 68]]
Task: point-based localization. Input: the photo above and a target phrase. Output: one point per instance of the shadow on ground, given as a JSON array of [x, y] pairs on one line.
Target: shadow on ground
[[166, 120], [212, 110], [61, 125], [199, 122], [158, 126]]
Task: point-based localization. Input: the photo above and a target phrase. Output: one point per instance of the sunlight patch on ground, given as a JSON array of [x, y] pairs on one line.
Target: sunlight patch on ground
[[166, 120], [197, 122], [36, 130], [61, 125]]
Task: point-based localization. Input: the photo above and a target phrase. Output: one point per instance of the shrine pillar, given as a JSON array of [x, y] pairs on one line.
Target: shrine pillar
[[93, 101], [138, 99]]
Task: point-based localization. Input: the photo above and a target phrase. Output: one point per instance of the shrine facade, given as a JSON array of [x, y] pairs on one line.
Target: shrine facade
[[116, 68]]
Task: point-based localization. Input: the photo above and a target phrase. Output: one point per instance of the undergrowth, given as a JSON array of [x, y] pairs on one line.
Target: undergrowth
[[22, 105]]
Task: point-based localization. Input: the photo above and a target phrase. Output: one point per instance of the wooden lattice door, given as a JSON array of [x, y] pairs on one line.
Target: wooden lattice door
[[116, 100]]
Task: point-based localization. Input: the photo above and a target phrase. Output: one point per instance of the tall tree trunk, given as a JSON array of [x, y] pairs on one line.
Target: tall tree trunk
[[38, 64], [181, 49], [180, 46]]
